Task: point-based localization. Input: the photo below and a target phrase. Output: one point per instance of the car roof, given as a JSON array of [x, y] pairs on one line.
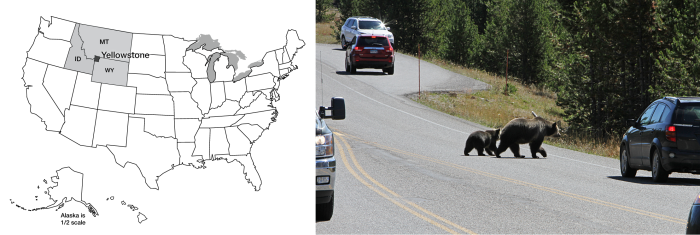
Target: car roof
[[682, 100], [365, 18]]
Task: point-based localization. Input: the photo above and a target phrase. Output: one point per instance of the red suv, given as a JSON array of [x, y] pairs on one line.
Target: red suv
[[368, 51]]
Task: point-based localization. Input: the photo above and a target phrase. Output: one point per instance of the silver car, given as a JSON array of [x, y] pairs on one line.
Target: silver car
[[359, 25], [325, 162]]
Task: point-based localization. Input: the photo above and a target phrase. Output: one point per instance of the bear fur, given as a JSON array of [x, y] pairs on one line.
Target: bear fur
[[482, 140], [526, 131]]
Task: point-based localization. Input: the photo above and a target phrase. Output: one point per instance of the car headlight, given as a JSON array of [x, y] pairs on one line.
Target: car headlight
[[324, 145], [390, 35]]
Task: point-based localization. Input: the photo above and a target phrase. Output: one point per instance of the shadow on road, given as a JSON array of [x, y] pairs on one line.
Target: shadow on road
[[359, 73], [338, 49], [525, 158], [647, 180]]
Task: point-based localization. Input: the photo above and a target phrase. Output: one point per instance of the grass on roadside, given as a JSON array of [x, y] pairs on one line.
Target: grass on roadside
[[324, 33], [493, 109]]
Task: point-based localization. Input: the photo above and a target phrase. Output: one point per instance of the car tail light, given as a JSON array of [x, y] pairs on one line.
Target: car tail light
[[358, 49], [671, 133], [374, 36], [697, 200]]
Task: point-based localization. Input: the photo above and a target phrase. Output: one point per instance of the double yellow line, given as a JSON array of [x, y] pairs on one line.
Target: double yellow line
[[397, 199], [523, 183]]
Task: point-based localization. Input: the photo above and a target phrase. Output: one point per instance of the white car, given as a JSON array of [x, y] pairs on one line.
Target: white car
[[358, 25]]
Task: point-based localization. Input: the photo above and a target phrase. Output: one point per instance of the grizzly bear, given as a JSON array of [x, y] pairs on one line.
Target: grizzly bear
[[482, 140], [526, 131]]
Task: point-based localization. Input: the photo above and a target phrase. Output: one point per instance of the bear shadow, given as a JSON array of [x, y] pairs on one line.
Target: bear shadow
[[527, 157]]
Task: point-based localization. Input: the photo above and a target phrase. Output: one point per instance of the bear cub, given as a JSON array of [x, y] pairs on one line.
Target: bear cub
[[482, 140], [526, 131]]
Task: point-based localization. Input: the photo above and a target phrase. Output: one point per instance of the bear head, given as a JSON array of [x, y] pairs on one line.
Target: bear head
[[496, 134], [553, 130]]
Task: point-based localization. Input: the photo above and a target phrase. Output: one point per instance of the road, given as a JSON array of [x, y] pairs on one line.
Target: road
[[401, 169]]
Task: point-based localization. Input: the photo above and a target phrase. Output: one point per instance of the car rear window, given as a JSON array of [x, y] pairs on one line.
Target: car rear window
[[372, 25], [688, 114], [369, 41]]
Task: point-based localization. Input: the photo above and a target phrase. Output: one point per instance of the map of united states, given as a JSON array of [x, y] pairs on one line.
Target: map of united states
[[154, 101]]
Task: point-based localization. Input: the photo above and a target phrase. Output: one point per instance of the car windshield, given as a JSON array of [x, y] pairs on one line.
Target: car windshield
[[369, 41], [688, 114], [372, 25]]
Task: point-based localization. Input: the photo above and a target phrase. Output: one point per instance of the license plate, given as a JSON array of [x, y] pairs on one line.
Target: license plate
[[373, 51]]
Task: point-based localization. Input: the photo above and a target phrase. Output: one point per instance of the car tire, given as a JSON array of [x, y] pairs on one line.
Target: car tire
[[625, 169], [347, 67], [343, 43], [353, 70], [389, 71], [324, 211], [658, 173]]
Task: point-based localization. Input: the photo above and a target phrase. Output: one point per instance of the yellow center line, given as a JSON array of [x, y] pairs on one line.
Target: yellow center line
[[352, 171], [354, 160], [531, 185]]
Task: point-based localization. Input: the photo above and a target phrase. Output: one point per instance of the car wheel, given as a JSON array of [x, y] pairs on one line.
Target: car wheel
[[353, 70], [625, 169], [658, 174], [343, 43], [347, 68], [389, 71], [324, 211]]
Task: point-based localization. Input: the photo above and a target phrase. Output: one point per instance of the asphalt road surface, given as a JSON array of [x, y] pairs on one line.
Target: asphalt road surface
[[401, 169]]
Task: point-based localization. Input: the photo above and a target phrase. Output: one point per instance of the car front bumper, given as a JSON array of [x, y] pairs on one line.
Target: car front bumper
[[325, 167], [682, 161], [693, 226]]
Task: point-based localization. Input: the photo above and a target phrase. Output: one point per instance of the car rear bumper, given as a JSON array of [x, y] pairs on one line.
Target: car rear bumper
[[325, 167], [681, 161], [373, 63]]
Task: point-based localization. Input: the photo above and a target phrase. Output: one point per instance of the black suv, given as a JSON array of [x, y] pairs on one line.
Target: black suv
[[663, 139]]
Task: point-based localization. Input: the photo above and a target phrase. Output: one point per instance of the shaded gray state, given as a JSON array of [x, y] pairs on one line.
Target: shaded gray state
[[98, 40], [76, 59], [211, 74], [242, 75], [204, 40], [110, 72], [233, 58]]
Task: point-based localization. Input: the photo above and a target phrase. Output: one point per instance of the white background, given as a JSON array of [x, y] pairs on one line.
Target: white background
[[212, 200]]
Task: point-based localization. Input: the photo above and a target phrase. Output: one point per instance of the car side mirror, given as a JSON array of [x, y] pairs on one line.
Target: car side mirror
[[353, 27], [631, 122], [337, 109], [388, 28]]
